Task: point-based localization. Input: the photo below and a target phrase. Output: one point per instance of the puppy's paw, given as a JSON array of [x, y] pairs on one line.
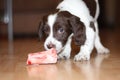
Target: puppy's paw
[[82, 57], [103, 50], [63, 56]]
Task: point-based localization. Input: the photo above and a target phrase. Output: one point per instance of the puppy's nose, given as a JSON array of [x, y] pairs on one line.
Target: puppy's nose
[[49, 46]]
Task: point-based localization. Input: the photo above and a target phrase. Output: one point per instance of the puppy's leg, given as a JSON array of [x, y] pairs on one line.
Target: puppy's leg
[[65, 54], [98, 45], [86, 49]]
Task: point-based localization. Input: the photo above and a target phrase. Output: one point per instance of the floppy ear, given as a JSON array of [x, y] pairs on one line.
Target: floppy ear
[[78, 29], [40, 29]]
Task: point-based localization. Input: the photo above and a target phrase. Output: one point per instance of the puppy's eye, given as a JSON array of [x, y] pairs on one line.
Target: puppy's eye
[[60, 30]]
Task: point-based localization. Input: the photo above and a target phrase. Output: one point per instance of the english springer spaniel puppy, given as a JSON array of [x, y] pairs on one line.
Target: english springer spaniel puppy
[[77, 19]]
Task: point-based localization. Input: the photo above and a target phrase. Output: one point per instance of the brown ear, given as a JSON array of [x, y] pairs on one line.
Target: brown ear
[[41, 26], [78, 30], [40, 29]]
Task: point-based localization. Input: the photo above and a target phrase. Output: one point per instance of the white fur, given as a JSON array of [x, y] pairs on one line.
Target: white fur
[[79, 9], [67, 49], [51, 20], [97, 11], [50, 38], [98, 45]]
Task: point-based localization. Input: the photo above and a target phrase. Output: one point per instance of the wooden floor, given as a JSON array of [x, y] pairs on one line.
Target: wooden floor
[[13, 58]]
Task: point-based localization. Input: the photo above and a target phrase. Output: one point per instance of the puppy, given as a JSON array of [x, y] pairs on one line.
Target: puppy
[[77, 19]]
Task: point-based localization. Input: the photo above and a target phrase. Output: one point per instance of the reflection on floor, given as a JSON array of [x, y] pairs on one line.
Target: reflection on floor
[[101, 67]]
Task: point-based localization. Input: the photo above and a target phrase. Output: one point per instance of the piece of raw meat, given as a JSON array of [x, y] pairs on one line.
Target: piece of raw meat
[[43, 57]]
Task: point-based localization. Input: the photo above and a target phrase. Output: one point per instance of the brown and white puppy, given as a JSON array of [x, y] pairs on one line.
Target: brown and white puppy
[[75, 18]]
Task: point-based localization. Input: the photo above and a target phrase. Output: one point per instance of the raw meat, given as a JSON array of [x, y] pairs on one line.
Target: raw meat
[[44, 57]]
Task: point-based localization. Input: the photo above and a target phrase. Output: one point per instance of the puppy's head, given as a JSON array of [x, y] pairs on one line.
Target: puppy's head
[[58, 27]]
